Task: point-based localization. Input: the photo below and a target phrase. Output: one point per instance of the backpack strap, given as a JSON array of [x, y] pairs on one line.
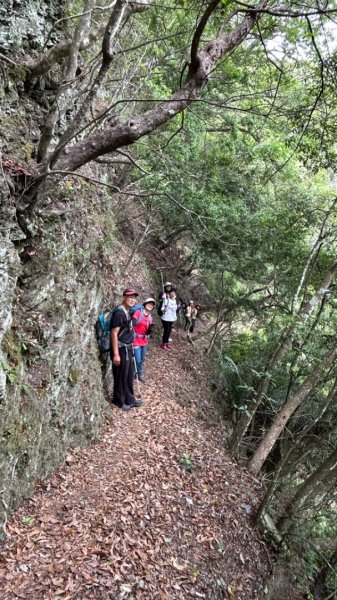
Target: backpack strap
[[136, 321], [121, 308]]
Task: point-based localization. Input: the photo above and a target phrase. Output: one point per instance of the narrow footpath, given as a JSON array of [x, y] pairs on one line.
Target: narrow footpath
[[156, 510]]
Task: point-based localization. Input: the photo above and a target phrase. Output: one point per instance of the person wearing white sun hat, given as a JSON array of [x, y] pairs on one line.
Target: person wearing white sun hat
[[143, 325], [168, 317]]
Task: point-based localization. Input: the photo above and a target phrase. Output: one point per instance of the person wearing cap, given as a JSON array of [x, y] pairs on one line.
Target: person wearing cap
[[123, 370], [143, 325], [188, 315]]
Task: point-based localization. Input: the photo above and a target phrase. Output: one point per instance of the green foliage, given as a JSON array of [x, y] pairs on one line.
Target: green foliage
[[10, 372], [187, 463], [28, 520]]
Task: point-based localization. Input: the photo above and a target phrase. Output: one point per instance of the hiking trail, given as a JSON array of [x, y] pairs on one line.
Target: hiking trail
[[155, 510]]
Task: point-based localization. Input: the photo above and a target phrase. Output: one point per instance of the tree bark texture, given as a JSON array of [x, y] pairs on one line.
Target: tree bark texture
[[276, 355], [116, 22], [128, 133], [287, 411], [327, 469], [320, 585]]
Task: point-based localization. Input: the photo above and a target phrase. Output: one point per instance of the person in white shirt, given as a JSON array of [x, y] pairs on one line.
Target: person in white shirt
[[169, 316]]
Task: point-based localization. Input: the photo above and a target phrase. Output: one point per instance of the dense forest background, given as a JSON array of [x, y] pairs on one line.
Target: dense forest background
[[207, 127]]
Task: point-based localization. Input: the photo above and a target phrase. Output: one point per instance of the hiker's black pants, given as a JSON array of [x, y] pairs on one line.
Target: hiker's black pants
[[192, 325], [187, 323], [123, 378], [167, 325]]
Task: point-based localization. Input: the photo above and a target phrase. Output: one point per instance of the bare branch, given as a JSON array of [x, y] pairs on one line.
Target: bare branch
[[44, 63], [284, 11], [69, 73], [9, 61], [118, 18], [198, 33]]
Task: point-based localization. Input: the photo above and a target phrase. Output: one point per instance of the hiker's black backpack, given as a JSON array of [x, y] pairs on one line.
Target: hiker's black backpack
[[160, 311]]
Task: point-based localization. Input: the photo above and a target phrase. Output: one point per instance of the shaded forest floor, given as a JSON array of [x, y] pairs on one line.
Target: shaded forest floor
[[156, 510]]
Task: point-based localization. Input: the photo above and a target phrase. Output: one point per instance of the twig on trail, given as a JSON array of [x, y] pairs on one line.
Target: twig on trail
[[189, 339], [8, 60], [5, 505]]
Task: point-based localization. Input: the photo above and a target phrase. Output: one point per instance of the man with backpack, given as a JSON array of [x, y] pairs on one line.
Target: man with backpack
[[122, 336]]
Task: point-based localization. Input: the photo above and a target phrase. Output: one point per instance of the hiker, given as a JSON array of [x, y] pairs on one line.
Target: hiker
[[169, 316], [194, 314], [143, 325], [167, 288], [188, 315], [123, 369]]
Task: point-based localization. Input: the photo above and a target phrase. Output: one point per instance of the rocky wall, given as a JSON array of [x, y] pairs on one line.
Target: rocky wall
[[54, 279]]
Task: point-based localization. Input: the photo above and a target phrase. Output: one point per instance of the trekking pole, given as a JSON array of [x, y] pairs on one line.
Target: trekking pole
[[161, 275], [136, 376], [162, 280]]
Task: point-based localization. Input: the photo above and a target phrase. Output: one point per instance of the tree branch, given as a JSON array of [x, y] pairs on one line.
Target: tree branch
[[128, 133], [197, 35]]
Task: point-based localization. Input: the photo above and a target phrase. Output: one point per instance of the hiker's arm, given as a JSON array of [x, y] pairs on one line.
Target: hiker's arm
[[116, 359], [164, 305]]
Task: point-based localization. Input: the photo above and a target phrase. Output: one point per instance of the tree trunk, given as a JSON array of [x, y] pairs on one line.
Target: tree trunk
[[128, 133], [260, 393], [119, 16], [320, 585], [276, 355], [287, 411], [63, 95], [280, 469], [328, 468]]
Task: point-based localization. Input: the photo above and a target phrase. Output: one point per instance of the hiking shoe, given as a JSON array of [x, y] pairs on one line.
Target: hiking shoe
[[141, 379], [164, 346], [136, 403], [126, 406], [169, 347]]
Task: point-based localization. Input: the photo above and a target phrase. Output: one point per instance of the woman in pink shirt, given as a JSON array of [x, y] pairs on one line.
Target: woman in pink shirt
[[142, 325]]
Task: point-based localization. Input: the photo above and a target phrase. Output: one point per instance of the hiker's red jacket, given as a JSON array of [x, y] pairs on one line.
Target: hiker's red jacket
[[141, 329]]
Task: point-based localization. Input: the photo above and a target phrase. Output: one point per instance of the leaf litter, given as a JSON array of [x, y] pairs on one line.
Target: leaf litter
[[152, 511]]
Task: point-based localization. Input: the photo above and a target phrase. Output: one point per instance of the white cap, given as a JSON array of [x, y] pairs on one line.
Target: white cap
[[191, 302], [148, 301], [167, 283]]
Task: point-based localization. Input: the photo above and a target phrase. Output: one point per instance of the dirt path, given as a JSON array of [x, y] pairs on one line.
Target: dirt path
[[156, 510]]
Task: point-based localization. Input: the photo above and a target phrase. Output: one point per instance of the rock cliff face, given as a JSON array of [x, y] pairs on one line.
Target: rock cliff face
[[52, 279]]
